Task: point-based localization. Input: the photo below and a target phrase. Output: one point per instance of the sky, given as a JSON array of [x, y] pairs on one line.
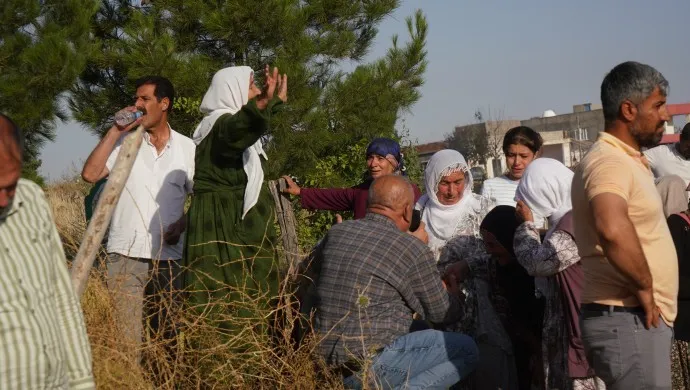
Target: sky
[[515, 59]]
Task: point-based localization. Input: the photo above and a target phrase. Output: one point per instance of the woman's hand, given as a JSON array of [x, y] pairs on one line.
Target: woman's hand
[[283, 88], [421, 233], [460, 270], [523, 212], [273, 81], [291, 187]]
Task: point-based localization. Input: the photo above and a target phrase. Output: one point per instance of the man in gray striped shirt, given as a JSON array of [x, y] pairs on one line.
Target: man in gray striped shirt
[[43, 341]]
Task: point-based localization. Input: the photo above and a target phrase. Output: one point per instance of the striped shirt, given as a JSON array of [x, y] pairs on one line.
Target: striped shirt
[[502, 190], [43, 341]]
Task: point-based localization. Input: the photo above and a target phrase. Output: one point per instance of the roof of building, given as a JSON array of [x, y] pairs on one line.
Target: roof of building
[[432, 147]]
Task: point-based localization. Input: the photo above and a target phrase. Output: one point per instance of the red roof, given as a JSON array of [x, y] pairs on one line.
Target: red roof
[[670, 139], [432, 147], [679, 109]]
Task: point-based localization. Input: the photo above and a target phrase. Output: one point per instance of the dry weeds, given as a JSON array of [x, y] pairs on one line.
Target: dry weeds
[[197, 356]]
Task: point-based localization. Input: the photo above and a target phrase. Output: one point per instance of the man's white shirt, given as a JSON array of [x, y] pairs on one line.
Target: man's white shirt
[[153, 198], [666, 160]]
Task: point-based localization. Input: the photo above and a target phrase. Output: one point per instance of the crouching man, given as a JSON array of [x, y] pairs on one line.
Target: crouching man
[[373, 277]]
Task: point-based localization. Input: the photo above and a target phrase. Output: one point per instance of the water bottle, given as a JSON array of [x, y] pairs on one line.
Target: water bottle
[[125, 117]]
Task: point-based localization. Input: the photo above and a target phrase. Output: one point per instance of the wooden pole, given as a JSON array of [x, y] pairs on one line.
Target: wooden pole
[[104, 210], [286, 221]]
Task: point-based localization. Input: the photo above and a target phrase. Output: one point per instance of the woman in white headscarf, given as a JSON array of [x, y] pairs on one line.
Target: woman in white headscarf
[[230, 233], [452, 215], [544, 190], [449, 208]]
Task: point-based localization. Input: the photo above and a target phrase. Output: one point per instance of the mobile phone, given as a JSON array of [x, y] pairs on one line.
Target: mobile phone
[[416, 220]]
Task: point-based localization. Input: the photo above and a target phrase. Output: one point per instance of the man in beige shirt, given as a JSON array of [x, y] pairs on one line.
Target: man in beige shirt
[[628, 257]]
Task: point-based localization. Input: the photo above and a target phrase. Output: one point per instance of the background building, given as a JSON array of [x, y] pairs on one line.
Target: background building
[[567, 137]]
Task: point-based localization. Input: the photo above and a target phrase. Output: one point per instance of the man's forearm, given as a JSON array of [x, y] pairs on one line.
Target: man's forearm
[[95, 164], [624, 252]]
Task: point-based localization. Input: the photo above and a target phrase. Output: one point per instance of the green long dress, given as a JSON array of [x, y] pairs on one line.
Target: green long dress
[[230, 267]]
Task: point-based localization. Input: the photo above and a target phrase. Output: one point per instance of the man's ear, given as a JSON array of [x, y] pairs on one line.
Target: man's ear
[[166, 104], [407, 214], [628, 111]]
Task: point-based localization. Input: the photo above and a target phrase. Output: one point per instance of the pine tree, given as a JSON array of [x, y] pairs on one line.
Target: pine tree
[[187, 41], [43, 48]]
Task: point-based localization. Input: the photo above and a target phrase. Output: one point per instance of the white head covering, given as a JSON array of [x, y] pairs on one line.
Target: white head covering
[[545, 188], [441, 220], [229, 91]]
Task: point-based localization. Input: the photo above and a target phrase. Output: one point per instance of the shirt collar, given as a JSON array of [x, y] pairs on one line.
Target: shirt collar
[[381, 219], [147, 137], [614, 141]]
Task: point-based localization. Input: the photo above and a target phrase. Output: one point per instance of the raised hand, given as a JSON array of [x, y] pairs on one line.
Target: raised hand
[[283, 88], [271, 82]]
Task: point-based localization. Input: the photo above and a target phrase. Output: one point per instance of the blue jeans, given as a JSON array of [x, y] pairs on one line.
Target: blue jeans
[[427, 359]]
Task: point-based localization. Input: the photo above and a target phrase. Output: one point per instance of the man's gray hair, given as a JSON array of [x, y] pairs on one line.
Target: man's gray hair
[[629, 81]]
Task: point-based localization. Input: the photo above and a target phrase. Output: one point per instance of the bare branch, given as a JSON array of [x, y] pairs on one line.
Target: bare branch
[[104, 210]]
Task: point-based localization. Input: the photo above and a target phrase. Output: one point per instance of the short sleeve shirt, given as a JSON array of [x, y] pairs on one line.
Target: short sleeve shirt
[[611, 166], [153, 198]]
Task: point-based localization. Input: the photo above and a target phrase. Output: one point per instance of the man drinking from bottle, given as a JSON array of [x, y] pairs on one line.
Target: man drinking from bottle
[[144, 241]]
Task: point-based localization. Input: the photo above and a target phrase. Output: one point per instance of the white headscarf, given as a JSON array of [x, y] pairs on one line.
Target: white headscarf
[[545, 188], [442, 220], [229, 91]]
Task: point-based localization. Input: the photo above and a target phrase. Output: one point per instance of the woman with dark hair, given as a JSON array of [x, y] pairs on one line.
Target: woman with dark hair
[[384, 157], [679, 225], [512, 294], [520, 146]]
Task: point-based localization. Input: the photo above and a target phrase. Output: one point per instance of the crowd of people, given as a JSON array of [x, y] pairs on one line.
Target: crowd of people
[[549, 278]]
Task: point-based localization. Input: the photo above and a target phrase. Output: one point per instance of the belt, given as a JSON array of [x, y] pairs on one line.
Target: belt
[[611, 308]]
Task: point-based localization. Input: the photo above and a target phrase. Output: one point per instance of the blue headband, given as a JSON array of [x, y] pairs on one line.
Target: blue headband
[[385, 146]]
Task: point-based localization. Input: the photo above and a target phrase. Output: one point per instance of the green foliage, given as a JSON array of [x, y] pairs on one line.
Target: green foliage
[[361, 105], [43, 48], [187, 41], [346, 169], [30, 172], [188, 107], [331, 115]]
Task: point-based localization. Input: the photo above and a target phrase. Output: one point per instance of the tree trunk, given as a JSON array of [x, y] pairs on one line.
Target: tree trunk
[[100, 221]]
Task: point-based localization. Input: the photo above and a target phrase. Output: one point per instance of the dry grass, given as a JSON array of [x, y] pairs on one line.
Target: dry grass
[[199, 356]]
